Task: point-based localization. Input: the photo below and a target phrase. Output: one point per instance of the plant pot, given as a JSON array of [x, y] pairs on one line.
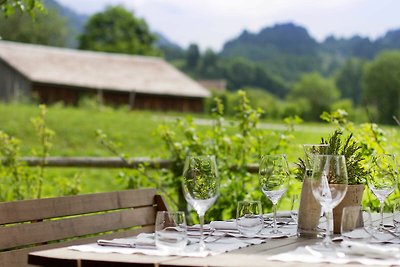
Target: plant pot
[[353, 197]]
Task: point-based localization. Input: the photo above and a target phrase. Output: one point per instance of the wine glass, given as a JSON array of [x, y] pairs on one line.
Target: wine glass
[[200, 186], [383, 179], [310, 150], [329, 186], [274, 179]]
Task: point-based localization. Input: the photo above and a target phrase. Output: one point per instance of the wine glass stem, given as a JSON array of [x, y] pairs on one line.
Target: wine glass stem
[[202, 245], [328, 216], [381, 211], [275, 226]]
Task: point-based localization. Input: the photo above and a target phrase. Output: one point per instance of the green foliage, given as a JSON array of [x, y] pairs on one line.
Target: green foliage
[[118, 30], [8, 7], [356, 169], [18, 181], [318, 91], [47, 28], [235, 147], [349, 79], [382, 86], [372, 139], [45, 135], [15, 180]]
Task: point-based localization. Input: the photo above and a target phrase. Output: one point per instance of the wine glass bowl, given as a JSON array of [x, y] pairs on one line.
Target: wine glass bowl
[[383, 179], [329, 185], [274, 179], [200, 186]]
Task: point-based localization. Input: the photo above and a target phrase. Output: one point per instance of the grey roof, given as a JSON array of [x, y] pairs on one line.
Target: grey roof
[[99, 70]]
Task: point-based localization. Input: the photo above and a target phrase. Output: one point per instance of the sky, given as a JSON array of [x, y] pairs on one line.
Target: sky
[[210, 23]]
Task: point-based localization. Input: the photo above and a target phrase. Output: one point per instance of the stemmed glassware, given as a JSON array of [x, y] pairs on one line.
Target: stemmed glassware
[[383, 179], [329, 186], [274, 180], [201, 186]]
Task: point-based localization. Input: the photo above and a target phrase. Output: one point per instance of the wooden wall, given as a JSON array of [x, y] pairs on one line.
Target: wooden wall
[[13, 85], [51, 94]]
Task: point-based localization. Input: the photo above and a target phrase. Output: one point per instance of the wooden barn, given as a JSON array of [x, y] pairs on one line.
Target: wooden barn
[[58, 74]]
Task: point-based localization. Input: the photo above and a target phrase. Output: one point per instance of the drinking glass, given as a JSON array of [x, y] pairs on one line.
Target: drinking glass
[[356, 224], [274, 180], [329, 186], [171, 231], [249, 217], [200, 186], [383, 179]]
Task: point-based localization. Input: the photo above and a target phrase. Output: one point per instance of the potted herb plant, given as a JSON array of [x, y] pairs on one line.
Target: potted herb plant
[[357, 174]]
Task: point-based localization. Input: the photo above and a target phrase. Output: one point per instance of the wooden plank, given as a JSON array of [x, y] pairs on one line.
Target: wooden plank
[[160, 202], [98, 162], [40, 232], [37, 209]]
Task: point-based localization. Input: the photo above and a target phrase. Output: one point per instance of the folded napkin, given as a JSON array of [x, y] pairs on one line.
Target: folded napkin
[[142, 240], [279, 214], [230, 229], [220, 245], [224, 225], [348, 253], [370, 250]]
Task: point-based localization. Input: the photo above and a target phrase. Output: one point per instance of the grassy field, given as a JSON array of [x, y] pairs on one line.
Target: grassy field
[[136, 132]]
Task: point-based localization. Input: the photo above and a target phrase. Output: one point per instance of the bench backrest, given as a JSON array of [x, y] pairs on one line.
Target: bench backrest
[[38, 224]]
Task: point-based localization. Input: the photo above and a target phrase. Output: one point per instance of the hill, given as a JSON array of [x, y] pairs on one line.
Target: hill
[[288, 50]]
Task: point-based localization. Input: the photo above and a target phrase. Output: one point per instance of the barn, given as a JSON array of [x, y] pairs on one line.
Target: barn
[[66, 75]]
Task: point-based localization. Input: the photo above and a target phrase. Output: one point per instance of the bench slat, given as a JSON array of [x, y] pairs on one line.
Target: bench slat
[[33, 233], [30, 210]]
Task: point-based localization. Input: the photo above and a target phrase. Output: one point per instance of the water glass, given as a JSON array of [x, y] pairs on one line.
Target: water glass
[[249, 217], [356, 224], [171, 231]]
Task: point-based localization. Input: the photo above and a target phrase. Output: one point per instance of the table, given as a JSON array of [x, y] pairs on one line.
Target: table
[[255, 255]]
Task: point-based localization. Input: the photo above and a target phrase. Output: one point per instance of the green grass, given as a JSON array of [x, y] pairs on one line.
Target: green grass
[[136, 131]]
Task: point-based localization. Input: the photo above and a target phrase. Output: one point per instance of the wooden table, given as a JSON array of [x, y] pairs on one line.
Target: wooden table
[[255, 255]]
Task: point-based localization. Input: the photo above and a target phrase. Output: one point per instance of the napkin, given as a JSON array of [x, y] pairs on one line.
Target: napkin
[[370, 250], [308, 255], [224, 225], [219, 246], [142, 240]]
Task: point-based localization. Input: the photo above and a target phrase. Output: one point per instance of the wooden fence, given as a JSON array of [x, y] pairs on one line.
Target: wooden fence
[[105, 162]]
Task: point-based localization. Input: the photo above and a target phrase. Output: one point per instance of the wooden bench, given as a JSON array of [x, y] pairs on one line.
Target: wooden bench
[[39, 224]]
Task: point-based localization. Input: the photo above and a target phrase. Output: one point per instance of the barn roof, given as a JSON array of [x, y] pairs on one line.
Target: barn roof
[[99, 70]]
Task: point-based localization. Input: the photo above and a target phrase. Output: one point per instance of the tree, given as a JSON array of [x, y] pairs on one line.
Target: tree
[[118, 30], [349, 79], [382, 86], [8, 7], [46, 28], [192, 57], [320, 93]]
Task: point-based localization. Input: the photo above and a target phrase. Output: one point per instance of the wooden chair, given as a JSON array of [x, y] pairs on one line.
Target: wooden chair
[[39, 224]]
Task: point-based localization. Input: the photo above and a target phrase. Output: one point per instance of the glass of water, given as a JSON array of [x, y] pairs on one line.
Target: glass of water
[[249, 217], [171, 231]]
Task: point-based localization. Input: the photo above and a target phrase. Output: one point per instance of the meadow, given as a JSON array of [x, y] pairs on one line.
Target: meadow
[[135, 132]]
